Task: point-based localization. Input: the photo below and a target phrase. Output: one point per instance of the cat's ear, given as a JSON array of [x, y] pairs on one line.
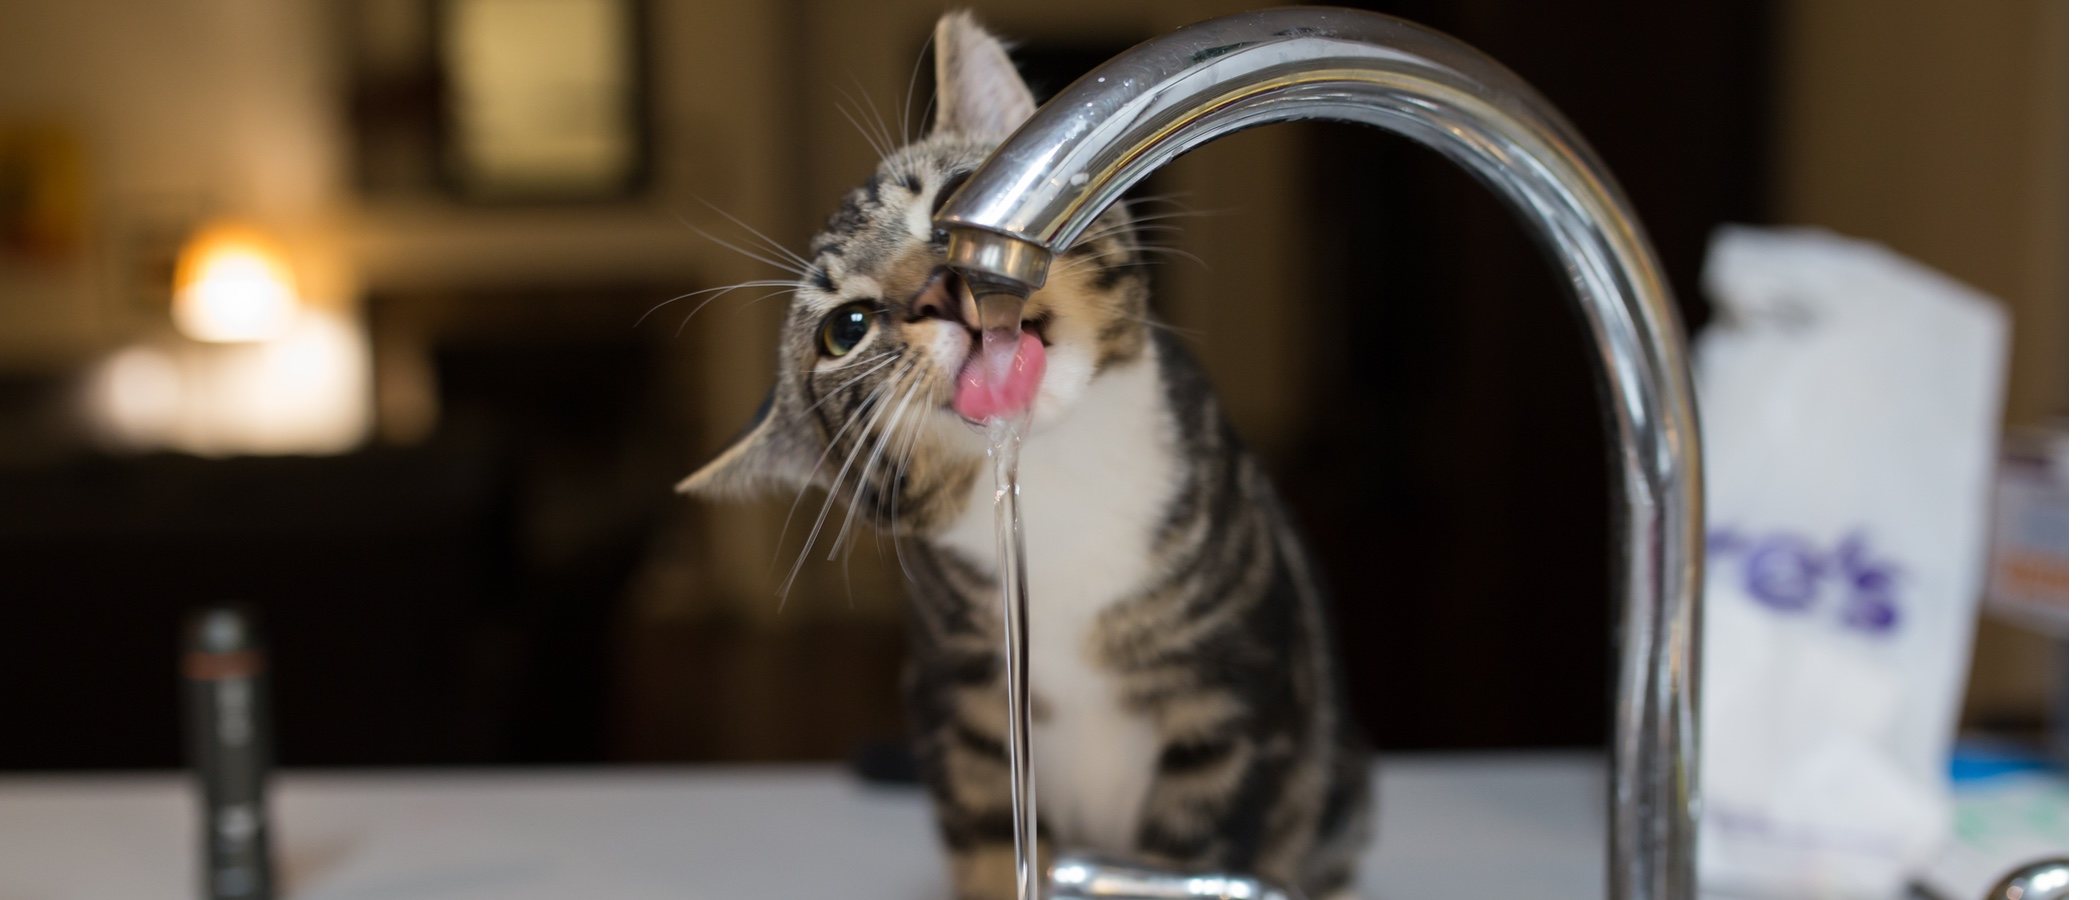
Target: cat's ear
[[977, 90], [764, 457]]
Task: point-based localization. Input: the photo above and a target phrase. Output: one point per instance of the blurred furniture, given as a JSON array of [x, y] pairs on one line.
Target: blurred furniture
[[447, 601], [1448, 826], [368, 571]]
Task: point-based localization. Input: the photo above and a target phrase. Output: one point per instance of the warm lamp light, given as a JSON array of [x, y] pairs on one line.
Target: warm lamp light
[[233, 285]]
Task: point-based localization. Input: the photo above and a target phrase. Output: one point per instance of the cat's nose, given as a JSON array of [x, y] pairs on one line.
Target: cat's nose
[[945, 297]]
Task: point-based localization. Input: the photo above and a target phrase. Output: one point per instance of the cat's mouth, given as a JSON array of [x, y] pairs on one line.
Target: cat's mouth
[[1037, 325], [1001, 382], [943, 295], [992, 382]]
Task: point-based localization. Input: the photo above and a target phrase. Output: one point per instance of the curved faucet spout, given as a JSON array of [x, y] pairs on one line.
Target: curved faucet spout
[[1082, 150]]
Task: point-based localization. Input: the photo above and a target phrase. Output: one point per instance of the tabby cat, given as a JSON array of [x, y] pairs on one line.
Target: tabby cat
[[1188, 708]]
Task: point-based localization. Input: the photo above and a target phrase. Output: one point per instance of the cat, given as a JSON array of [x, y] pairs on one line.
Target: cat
[[1188, 708]]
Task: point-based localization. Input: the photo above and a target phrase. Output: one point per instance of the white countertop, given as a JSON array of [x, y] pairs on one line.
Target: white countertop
[[1495, 825]]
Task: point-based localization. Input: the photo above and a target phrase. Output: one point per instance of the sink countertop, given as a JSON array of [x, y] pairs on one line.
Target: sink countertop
[[1479, 825]]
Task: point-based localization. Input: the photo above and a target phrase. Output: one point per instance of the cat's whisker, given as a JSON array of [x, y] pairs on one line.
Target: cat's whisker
[[1088, 261], [890, 357], [1145, 225], [1139, 231], [1158, 197], [875, 116], [909, 378], [1163, 326], [860, 120], [1143, 249], [718, 294], [904, 460], [911, 445], [902, 109], [896, 465], [867, 466], [746, 252], [848, 367], [906, 407], [854, 121], [888, 392], [1140, 250], [777, 247], [789, 263], [845, 470], [1143, 246], [1169, 204], [926, 118], [748, 303], [1165, 215], [703, 305], [1137, 253], [900, 465], [1135, 231], [795, 570], [877, 365], [1098, 260], [911, 89], [762, 282], [877, 135]]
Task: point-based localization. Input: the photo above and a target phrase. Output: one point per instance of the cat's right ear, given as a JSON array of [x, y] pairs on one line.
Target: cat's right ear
[[977, 91], [763, 458]]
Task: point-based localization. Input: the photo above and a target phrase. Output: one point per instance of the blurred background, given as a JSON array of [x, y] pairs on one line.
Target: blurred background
[[342, 310]]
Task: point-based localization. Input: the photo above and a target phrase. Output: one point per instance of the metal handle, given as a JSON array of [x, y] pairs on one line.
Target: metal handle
[[1035, 195], [1078, 877], [2049, 880]]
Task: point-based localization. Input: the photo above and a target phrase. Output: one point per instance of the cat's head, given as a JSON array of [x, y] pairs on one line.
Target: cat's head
[[863, 406]]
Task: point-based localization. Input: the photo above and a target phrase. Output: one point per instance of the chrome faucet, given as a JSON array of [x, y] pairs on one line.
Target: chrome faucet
[[1038, 191]]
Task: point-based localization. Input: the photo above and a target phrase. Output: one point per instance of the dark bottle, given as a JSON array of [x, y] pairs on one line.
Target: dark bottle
[[226, 687]]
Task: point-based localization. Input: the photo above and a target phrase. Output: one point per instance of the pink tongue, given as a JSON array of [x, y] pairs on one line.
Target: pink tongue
[[986, 390]]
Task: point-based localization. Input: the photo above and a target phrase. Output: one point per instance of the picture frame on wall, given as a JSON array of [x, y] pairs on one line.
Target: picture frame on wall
[[501, 101], [542, 98]]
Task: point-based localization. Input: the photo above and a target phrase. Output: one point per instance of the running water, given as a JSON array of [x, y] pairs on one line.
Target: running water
[[1003, 349]]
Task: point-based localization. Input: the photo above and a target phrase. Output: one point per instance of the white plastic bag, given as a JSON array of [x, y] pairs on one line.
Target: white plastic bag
[[1850, 403]]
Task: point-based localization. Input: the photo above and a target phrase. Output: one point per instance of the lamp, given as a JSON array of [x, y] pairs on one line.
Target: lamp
[[233, 285]]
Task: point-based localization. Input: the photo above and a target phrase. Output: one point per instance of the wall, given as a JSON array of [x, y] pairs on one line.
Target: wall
[[1939, 127], [229, 117]]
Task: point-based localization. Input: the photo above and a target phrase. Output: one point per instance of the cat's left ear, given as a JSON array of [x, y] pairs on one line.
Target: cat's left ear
[[764, 457], [977, 90]]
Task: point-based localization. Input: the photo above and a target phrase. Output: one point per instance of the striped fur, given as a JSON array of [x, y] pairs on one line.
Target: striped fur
[[1188, 709]]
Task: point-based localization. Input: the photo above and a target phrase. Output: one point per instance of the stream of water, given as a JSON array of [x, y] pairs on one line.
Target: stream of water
[[1002, 333]]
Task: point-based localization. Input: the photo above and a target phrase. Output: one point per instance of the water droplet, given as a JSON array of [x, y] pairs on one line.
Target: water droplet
[[1104, 78]]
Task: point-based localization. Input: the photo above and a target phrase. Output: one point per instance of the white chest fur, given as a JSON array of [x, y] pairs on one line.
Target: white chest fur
[[1092, 488]]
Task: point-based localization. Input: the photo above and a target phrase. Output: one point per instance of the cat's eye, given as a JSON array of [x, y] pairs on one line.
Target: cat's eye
[[845, 328]]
